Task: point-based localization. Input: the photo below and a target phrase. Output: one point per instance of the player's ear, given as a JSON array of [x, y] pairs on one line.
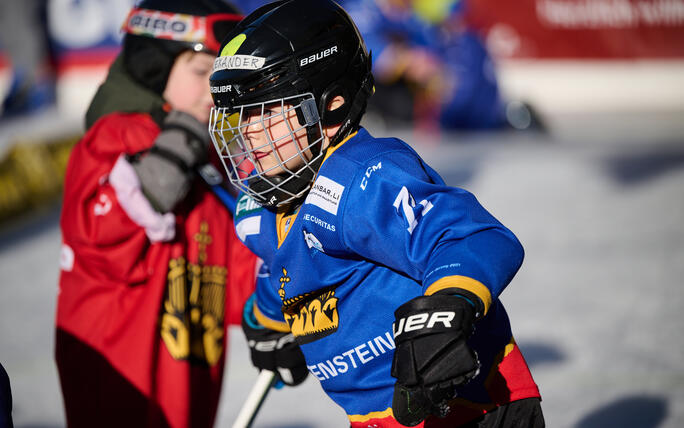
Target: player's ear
[[335, 103]]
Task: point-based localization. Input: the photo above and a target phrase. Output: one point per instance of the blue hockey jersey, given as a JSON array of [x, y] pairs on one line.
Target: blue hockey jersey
[[378, 228]]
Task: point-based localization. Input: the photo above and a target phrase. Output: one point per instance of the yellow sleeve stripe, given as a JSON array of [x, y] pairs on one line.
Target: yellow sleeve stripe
[[269, 323], [466, 283], [371, 415]]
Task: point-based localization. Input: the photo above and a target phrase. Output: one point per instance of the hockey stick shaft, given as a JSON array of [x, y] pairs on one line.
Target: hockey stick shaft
[[255, 399]]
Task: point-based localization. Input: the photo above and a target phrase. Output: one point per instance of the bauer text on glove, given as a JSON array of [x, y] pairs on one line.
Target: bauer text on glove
[[431, 357]]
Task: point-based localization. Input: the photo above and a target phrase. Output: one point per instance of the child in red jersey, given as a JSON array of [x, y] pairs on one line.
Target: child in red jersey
[[151, 269]]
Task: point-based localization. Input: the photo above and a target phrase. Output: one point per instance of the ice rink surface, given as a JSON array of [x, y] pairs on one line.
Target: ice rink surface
[[597, 308]]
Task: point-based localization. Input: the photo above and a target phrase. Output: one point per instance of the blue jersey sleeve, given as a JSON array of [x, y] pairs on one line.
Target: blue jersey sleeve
[[399, 213]]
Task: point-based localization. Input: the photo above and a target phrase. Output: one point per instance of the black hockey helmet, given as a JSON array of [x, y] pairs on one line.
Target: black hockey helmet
[[304, 52], [157, 31]]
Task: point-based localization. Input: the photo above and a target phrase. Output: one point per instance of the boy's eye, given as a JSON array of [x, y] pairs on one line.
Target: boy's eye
[[250, 113], [256, 114]]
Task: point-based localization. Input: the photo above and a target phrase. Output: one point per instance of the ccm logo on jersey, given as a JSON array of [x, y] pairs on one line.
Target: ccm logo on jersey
[[369, 171], [425, 320], [320, 55]]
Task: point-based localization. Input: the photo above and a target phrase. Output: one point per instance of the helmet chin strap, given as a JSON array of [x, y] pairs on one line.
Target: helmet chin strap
[[284, 188], [355, 110]]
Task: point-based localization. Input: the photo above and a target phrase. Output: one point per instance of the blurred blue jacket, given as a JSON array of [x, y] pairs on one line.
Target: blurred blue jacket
[[474, 100]]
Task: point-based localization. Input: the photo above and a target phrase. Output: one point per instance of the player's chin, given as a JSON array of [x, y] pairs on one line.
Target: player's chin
[[202, 114]]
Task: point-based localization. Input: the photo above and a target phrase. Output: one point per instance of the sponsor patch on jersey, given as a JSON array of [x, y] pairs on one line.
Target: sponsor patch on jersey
[[312, 241], [325, 194], [353, 358], [318, 222], [246, 205]]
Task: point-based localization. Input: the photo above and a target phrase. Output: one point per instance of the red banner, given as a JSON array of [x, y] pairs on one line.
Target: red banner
[[586, 29]]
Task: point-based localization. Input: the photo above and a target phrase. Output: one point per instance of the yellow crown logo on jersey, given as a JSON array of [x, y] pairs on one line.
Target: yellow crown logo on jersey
[[314, 318], [311, 316]]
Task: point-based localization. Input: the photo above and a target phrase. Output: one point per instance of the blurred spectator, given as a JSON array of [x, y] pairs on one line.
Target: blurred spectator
[[152, 271], [430, 68], [23, 38]]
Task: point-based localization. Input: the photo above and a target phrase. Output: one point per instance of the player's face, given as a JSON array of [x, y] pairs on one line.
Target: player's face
[[188, 86], [270, 138]]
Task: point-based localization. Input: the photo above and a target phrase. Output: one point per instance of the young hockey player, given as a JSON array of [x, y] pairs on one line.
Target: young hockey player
[[151, 269], [387, 278]]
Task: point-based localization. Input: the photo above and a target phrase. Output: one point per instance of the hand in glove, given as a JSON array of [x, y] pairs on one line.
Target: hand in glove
[[166, 171], [273, 350], [431, 357]]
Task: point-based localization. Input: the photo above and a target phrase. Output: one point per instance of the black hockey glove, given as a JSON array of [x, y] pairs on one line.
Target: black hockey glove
[[431, 357], [274, 350], [166, 170]]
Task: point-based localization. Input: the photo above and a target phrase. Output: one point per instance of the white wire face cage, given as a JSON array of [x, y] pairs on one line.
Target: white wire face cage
[[266, 150]]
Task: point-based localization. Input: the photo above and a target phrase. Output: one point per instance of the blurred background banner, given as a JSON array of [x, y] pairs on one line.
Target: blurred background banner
[[53, 56], [85, 32], [581, 29], [56, 51], [596, 48], [586, 56], [84, 38]]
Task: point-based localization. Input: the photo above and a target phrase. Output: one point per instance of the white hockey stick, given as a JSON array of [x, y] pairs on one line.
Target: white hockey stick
[[255, 399]]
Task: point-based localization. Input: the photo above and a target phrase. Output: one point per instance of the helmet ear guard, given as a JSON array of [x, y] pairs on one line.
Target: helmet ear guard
[[337, 116], [354, 110]]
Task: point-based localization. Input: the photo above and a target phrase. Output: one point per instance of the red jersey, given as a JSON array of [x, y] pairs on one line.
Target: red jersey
[[141, 325]]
